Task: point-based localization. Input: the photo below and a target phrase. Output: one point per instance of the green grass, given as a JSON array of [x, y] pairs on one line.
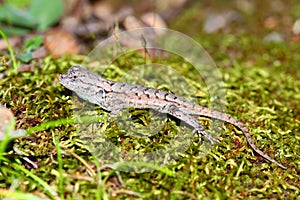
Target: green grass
[[262, 84], [11, 52], [266, 100]]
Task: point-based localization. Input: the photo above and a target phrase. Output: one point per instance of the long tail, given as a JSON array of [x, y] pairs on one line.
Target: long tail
[[224, 117]]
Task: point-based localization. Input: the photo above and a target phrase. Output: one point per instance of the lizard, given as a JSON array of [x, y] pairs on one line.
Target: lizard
[[116, 96]]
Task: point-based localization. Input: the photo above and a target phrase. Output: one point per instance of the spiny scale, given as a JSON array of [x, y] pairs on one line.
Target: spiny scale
[[115, 96]]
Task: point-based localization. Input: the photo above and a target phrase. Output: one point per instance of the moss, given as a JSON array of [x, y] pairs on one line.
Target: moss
[[262, 84]]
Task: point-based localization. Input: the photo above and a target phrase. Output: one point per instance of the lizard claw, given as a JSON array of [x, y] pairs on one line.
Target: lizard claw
[[211, 139]]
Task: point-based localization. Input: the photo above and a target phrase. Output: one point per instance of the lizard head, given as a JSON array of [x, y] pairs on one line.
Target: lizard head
[[73, 78], [85, 84]]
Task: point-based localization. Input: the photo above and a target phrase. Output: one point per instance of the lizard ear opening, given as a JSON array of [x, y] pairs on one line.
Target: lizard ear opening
[[101, 92]]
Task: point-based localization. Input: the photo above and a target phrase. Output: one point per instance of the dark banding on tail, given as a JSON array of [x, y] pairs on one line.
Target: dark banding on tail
[[224, 117]]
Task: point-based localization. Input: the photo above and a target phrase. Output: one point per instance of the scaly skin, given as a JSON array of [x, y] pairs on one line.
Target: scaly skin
[[115, 96]]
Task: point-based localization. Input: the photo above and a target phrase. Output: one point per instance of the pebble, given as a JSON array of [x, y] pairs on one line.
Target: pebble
[[216, 22], [296, 27], [274, 37], [246, 6], [131, 22], [6, 117], [153, 20]]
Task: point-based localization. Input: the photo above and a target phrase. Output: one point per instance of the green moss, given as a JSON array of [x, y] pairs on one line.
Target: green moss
[[262, 84]]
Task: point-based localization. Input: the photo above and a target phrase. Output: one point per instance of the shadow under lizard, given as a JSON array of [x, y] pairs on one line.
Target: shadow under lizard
[[116, 96]]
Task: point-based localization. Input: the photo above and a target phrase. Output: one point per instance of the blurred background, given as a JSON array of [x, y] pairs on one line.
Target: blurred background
[[75, 26]]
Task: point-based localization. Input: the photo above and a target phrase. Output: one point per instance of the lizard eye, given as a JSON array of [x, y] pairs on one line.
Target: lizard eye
[[73, 78]]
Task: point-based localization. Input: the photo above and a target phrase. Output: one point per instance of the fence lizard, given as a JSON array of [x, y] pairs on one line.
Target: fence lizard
[[115, 96]]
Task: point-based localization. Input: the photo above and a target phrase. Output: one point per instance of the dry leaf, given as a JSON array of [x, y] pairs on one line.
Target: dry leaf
[[59, 42]]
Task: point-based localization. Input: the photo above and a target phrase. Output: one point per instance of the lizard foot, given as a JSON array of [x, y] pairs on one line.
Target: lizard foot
[[210, 138]]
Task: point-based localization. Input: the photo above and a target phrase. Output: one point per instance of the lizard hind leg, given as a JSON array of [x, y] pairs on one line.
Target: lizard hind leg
[[190, 120]]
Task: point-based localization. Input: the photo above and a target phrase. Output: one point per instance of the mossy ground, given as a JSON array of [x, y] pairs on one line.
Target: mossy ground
[[262, 89]]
